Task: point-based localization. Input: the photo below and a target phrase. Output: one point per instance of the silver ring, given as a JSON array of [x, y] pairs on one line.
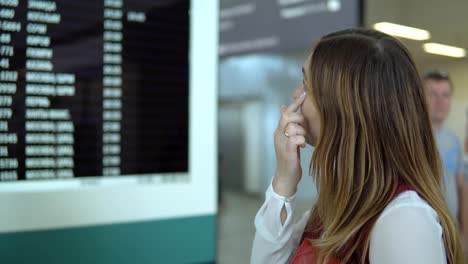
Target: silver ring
[[286, 134]]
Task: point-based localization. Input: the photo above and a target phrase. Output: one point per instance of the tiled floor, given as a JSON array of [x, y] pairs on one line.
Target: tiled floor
[[236, 226]]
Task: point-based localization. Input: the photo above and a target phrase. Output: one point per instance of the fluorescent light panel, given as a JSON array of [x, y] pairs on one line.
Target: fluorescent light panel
[[402, 31], [444, 50]]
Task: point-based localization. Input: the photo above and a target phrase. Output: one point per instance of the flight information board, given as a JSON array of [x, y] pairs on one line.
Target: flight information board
[[91, 88]]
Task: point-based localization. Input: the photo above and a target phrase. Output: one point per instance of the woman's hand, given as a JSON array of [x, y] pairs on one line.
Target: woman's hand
[[289, 138]]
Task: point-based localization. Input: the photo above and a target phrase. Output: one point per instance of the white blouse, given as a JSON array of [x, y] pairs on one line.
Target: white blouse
[[407, 231]]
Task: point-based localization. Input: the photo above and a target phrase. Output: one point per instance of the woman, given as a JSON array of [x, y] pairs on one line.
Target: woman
[[375, 163]]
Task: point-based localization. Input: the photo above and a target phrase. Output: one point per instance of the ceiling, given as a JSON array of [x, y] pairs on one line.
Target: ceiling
[[447, 21]]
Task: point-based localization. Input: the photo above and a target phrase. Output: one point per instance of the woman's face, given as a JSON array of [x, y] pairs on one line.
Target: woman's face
[[311, 116]]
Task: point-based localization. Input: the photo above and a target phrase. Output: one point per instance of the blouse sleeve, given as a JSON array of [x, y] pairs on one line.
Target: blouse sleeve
[[407, 234], [275, 242]]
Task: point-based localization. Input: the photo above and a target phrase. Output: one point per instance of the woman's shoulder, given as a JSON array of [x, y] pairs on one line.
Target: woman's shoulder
[[407, 231], [409, 200], [408, 211]]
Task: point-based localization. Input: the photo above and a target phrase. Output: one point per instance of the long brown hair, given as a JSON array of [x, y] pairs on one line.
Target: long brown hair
[[375, 135]]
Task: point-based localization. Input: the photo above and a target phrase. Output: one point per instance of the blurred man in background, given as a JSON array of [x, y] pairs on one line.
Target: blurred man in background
[[439, 92]]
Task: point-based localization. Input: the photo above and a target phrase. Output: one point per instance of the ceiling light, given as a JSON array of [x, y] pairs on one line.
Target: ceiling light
[[444, 50], [402, 31]]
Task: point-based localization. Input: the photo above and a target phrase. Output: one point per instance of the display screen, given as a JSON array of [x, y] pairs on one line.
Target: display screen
[[248, 26], [93, 88]]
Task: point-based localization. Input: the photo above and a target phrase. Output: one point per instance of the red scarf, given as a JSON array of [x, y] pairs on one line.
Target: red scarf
[[308, 254]]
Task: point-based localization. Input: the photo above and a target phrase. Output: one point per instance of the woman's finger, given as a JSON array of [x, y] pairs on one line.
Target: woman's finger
[[296, 104], [283, 109], [287, 118], [295, 141], [293, 129]]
